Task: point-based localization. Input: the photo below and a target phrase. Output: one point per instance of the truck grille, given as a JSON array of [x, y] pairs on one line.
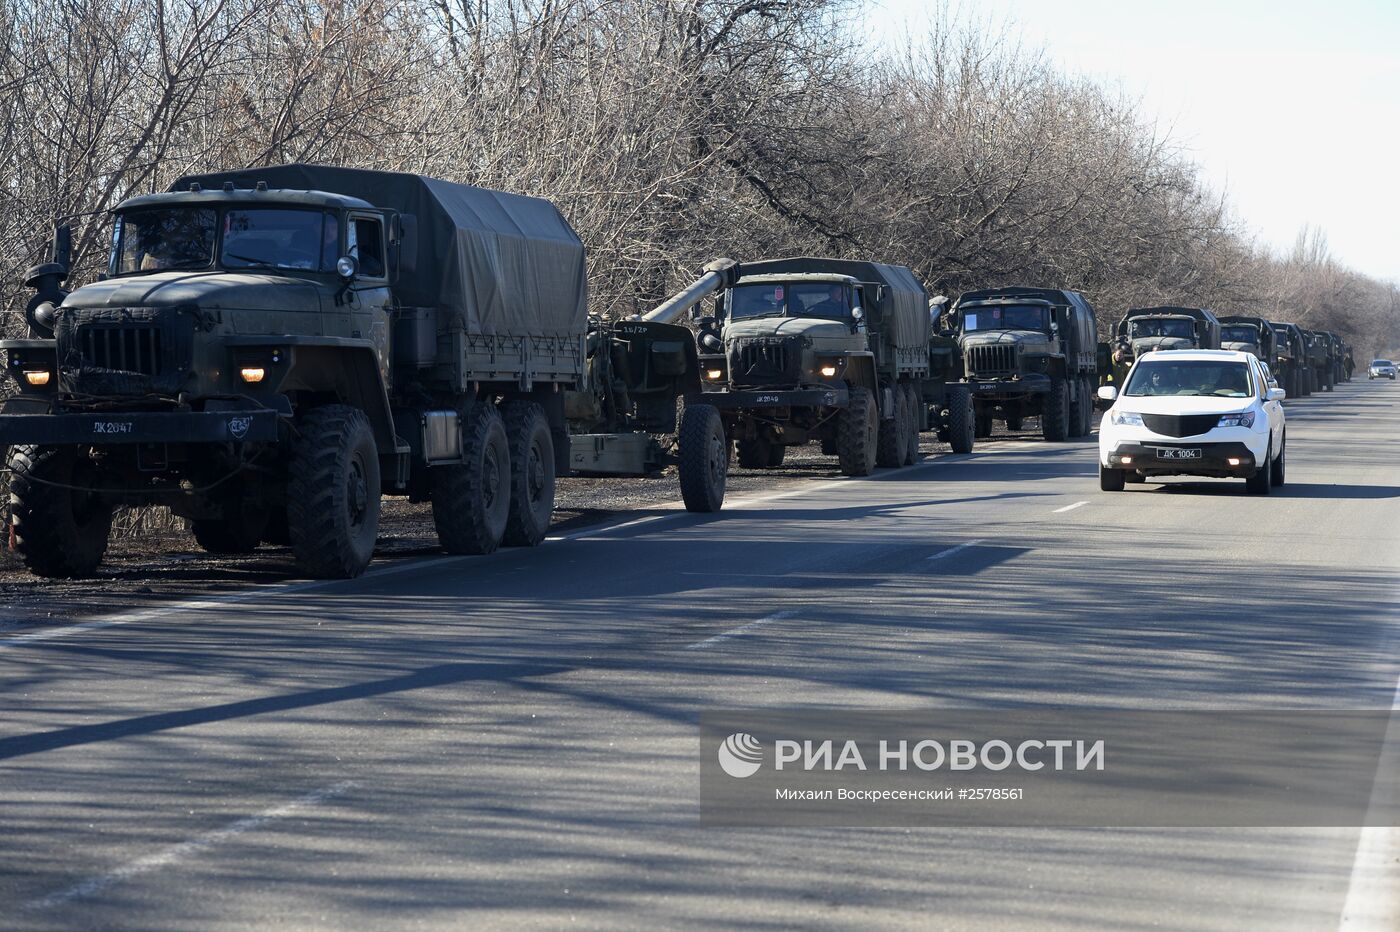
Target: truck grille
[[766, 362], [1180, 425], [993, 360], [121, 347]]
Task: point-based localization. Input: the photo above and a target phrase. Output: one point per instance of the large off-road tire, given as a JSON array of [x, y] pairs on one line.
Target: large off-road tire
[[983, 422], [531, 473], [1014, 422], [1111, 480], [1279, 477], [58, 531], [776, 454], [830, 447], [471, 499], [893, 441], [1327, 381], [1262, 482], [1054, 412], [240, 529], [755, 453], [704, 458], [333, 492], [911, 451], [962, 429], [1086, 407], [856, 428]]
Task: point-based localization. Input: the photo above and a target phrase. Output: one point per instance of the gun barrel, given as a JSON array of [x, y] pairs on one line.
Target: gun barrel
[[718, 274]]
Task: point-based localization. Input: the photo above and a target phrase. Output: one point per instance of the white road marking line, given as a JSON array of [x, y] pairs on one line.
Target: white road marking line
[[1060, 511], [1373, 890], [952, 550], [742, 629], [409, 565], [186, 849]]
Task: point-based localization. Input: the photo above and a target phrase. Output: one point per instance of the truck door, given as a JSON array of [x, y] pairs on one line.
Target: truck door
[[367, 299]]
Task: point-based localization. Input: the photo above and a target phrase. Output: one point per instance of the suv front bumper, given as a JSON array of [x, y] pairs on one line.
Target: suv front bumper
[[1214, 459]]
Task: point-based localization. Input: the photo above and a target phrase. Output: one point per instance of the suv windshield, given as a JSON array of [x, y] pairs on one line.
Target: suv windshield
[[1239, 334], [1006, 317], [1382, 362], [791, 299], [164, 238], [1194, 377], [1161, 327], [280, 238]]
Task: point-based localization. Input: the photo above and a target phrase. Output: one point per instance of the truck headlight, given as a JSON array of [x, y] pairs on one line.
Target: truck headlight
[[1243, 419], [1126, 418], [252, 374], [37, 377], [714, 374], [828, 371]]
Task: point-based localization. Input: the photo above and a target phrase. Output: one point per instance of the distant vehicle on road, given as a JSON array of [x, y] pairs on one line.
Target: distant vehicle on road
[[1381, 369], [1194, 413]]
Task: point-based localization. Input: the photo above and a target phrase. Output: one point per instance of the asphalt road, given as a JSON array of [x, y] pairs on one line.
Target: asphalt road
[[510, 741]]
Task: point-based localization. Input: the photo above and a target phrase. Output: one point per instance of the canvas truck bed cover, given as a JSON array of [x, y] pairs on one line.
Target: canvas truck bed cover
[[490, 262], [903, 317]]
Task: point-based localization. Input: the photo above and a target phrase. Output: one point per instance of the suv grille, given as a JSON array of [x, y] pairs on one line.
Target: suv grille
[[996, 359], [767, 361], [1180, 425], [122, 347]]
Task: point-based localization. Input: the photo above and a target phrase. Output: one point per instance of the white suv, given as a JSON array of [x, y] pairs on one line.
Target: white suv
[[1193, 413]]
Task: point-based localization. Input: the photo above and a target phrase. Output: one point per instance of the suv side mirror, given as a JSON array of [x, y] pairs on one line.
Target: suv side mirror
[[1277, 394], [1107, 393]]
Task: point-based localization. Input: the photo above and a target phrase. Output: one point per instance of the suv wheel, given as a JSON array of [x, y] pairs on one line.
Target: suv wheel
[[60, 529], [1262, 481], [1110, 480], [1278, 476], [333, 492]]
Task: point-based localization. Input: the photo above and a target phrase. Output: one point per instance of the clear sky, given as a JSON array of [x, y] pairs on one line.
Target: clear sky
[[1292, 106]]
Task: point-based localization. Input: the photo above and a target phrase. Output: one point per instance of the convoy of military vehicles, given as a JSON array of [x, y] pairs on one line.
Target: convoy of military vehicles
[[271, 350]]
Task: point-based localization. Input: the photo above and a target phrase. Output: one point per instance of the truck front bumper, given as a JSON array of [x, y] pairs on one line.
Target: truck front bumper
[[791, 398], [1031, 384], [110, 427]]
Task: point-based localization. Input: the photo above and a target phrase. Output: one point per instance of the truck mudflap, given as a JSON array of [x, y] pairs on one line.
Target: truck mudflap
[[108, 427], [794, 398]]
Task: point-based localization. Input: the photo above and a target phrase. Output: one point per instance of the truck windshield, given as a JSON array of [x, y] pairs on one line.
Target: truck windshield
[[1161, 327], [791, 299], [280, 238], [1196, 377], [164, 238], [1006, 317], [1239, 334]]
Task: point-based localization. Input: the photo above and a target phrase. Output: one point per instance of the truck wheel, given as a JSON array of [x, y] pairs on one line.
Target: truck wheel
[[1079, 413], [1054, 412], [471, 499], [1110, 480], [333, 493], [1086, 427], [893, 438], [830, 446], [857, 426], [911, 451], [1013, 422], [962, 430], [755, 453], [58, 531], [984, 422], [531, 474], [704, 455], [776, 454], [240, 530], [276, 532]]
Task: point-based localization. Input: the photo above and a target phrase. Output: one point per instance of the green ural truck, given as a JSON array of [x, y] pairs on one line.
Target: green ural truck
[[831, 350], [1253, 335], [1029, 352], [1144, 329], [1321, 364], [272, 349], [1292, 348]]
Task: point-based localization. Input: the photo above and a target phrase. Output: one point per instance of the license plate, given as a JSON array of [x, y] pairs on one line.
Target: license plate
[[1178, 454]]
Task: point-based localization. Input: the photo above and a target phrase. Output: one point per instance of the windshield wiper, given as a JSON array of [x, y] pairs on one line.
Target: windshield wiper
[[252, 262]]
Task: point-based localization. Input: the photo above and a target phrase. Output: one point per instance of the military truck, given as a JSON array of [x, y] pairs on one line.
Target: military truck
[[1291, 349], [273, 349], [1251, 335], [1319, 360], [1029, 352], [830, 350], [1144, 329]]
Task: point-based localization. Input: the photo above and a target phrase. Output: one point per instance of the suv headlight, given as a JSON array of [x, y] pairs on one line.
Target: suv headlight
[[1243, 419], [1126, 418]]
